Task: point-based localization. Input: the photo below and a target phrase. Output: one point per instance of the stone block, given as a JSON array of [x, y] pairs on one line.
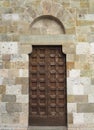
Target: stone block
[[25, 89], [83, 29], [81, 98], [91, 7], [72, 107], [75, 4], [78, 89], [22, 80], [3, 29], [6, 65], [91, 98], [71, 30], [19, 57], [89, 118], [1, 80], [22, 98], [84, 4], [9, 81], [85, 108], [13, 89], [23, 73], [77, 98], [2, 108], [82, 48], [78, 118], [19, 65], [2, 89], [70, 57], [13, 107], [9, 17], [74, 73], [25, 107], [46, 6], [9, 48], [92, 81], [53, 9], [4, 73], [70, 99], [70, 65], [13, 73], [92, 48], [89, 90], [24, 118], [25, 49], [1, 65], [8, 98], [10, 118], [70, 118], [6, 3]]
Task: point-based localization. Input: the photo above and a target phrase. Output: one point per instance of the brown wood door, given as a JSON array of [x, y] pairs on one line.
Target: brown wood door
[[47, 86]]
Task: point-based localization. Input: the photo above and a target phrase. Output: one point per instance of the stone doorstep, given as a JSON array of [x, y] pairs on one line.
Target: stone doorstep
[[47, 128]]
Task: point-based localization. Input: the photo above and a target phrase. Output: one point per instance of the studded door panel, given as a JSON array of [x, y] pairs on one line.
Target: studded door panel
[[47, 86]]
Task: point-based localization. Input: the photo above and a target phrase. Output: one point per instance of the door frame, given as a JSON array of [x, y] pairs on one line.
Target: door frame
[[68, 48]]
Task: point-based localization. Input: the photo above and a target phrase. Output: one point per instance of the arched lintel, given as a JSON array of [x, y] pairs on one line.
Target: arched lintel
[[50, 17]]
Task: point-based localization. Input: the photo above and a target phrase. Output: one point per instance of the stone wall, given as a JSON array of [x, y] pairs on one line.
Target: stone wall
[[18, 34]]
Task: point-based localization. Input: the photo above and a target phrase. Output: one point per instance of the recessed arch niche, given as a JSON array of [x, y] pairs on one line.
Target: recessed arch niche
[[46, 25]]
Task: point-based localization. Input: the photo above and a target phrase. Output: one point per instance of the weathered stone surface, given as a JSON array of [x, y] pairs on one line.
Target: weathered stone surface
[[24, 118], [77, 98], [2, 108], [24, 89], [13, 107], [74, 73], [85, 108], [4, 73], [8, 98], [78, 118], [91, 3], [22, 98], [8, 81], [82, 48], [70, 65], [72, 107], [92, 81], [6, 65], [89, 118], [10, 118], [91, 98], [13, 89], [70, 118], [9, 48], [22, 80], [23, 73], [6, 57], [19, 58], [2, 89], [19, 65], [13, 73]]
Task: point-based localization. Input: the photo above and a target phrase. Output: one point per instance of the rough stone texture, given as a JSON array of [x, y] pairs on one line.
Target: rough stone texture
[[22, 24], [85, 108], [8, 98], [13, 107]]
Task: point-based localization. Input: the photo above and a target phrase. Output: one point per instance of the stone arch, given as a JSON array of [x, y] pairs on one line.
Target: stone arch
[[47, 24], [38, 8]]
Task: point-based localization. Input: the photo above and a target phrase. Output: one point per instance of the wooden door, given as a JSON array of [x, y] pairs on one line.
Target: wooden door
[[47, 86]]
